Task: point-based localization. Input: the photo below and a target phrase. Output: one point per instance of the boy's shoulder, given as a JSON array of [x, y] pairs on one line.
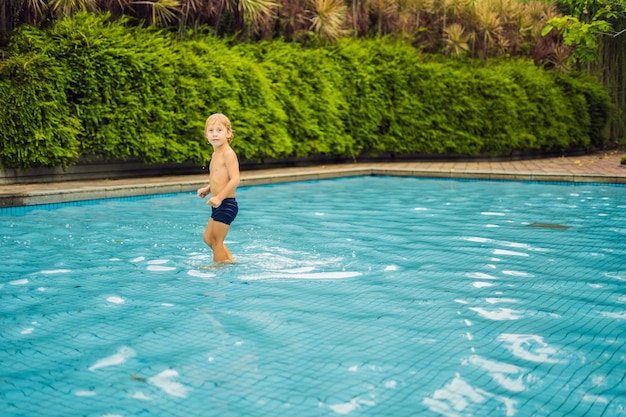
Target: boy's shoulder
[[225, 155], [230, 152]]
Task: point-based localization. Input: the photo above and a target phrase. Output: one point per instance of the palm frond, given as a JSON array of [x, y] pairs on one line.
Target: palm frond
[[34, 11], [256, 11], [455, 40], [162, 12], [62, 8], [327, 19]]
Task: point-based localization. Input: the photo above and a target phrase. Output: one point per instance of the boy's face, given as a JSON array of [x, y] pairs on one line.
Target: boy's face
[[217, 134]]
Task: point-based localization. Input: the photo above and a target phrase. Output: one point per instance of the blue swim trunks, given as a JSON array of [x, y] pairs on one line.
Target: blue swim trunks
[[226, 212]]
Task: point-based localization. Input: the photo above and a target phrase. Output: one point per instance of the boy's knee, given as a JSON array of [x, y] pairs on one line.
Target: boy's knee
[[212, 241]]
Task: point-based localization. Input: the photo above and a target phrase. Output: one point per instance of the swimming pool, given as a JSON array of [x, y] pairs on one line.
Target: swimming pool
[[368, 296]]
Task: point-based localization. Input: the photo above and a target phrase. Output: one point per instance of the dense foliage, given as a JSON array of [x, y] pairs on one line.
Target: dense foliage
[[89, 86], [588, 35]]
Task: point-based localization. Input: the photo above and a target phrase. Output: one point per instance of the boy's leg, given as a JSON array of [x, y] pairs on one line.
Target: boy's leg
[[214, 236]]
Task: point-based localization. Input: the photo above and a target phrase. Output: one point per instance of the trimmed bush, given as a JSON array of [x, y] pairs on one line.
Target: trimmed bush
[[36, 125], [91, 87]]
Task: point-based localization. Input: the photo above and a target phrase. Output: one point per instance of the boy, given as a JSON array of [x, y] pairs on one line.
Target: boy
[[223, 180]]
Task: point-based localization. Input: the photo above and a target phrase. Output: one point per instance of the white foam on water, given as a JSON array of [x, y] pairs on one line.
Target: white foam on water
[[508, 252], [22, 281], [313, 275], [319, 214], [299, 270], [115, 300], [614, 315], [160, 268], [157, 262], [167, 304], [596, 399], [165, 382], [141, 396], [391, 268], [280, 264], [55, 271], [460, 301], [455, 397], [518, 274], [281, 259], [598, 380], [420, 209], [508, 376], [498, 314], [391, 384], [481, 284], [85, 393], [514, 244], [493, 300], [40, 289], [530, 347], [200, 274], [620, 276], [350, 406], [28, 330], [476, 239], [491, 225], [138, 259], [118, 358], [479, 275], [491, 213]]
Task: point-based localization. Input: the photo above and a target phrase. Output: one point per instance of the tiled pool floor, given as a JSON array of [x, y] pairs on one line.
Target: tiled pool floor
[[364, 296]]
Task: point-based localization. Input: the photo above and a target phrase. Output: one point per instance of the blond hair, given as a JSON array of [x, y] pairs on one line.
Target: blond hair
[[219, 118]]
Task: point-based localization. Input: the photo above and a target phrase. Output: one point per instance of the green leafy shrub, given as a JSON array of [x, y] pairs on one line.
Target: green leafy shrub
[[36, 125], [88, 86], [306, 84]]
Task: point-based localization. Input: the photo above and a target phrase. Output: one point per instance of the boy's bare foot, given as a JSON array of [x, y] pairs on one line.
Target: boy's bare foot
[[219, 264]]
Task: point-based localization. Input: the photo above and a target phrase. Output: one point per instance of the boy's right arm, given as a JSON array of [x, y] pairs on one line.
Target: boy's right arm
[[204, 191]]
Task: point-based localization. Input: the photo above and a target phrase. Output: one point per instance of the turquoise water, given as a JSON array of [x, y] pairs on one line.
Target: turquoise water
[[368, 296]]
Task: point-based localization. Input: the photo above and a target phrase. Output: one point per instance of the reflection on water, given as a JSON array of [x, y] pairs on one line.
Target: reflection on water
[[458, 398], [530, 347], [363, 297]]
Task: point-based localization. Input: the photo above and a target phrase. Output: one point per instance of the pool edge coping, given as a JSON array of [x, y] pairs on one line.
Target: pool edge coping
[[251, 178]]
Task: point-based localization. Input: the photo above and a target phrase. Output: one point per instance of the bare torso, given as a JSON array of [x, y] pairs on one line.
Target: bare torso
[[218, 173]]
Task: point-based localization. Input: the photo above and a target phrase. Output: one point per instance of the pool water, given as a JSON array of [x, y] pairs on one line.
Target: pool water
[[366, 296]]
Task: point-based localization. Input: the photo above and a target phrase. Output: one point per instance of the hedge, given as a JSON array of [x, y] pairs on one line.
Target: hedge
[[91, 87]]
